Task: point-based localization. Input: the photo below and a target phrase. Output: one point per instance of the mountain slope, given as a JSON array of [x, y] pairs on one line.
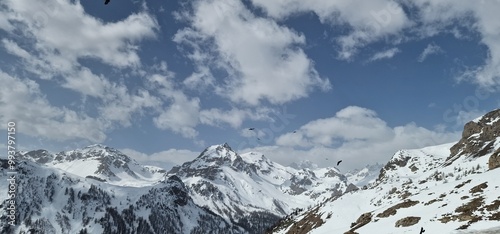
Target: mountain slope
[[50, 201], [435, 188], [251, 191]]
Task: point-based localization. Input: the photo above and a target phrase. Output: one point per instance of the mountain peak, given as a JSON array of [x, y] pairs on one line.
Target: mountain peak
[[222, 151]]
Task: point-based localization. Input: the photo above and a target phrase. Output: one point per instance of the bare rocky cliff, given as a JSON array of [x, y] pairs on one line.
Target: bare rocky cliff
[[478, 139]]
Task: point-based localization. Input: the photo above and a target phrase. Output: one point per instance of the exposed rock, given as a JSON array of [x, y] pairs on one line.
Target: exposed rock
[[311, 221], [479, 188], [393, 209], [494, 161], [360, 222], [351, 187], [477, 137], [407, 221]]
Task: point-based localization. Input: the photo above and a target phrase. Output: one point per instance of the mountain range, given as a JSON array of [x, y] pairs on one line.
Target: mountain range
[[449, 188]]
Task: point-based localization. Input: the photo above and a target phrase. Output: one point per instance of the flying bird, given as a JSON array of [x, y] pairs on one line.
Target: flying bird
[[294, 131], [106, 2], [422, 230], [251, 129], [339, 162]]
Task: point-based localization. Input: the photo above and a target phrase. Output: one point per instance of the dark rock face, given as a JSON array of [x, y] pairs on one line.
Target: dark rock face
[[477, 137], [494, 161]]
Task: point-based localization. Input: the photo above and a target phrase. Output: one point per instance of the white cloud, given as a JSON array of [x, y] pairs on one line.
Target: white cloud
[[263, 60], [122, 105], [482, 18], [165, 159], [57, 34], [368, 20], [62, 29], [349, 124], [429, 50], [233, 117], [22, 101], [387, 54], [355, 135], [200, 79], [182, 115]]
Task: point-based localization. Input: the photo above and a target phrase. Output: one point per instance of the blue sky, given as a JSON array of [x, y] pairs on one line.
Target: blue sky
[[319, 81]]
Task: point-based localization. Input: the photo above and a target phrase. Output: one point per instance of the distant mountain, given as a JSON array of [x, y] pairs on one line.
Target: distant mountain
[[364, 176], [252, 191], [98, 162], [443, 189], [98, 189], [51, 201]]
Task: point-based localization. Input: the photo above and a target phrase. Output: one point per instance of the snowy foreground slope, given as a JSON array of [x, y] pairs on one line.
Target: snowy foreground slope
[[450, 188]]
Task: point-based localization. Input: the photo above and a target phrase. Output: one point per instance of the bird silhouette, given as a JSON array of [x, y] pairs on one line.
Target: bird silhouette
[[251, 129], [294, 131], [106, 2], [339, 162], [422, 230]]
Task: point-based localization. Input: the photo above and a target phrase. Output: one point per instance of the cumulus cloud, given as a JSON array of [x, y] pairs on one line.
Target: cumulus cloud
[[165, 159], [387, 54], [368, 21], [182, 113], [477, 17], [233, 117], [263, 60], [372, 21], [58, 34], [354, 134], [62, 29], [21, 100], [429, 50]]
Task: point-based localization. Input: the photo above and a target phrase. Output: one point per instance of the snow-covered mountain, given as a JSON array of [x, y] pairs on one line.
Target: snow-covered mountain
[[449, 188], [51, 201], [98, 189], [252, 191], [98, 162], [364, 176]]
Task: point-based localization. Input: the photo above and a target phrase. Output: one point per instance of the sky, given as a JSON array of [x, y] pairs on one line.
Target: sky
[[321, 80]]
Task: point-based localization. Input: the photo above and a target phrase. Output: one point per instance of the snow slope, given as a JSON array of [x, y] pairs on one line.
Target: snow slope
[[415, 183]]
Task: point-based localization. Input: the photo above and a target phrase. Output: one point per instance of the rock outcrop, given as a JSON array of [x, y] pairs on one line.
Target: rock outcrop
[[478, 137], [494, 161]]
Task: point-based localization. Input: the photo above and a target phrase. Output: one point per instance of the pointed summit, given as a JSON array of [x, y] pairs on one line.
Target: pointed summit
[[209, 163]]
